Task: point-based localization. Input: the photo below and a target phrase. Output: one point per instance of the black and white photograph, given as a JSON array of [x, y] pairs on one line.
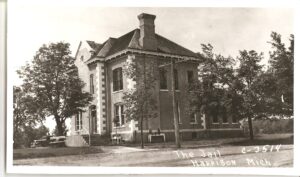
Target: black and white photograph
[[95, 86]]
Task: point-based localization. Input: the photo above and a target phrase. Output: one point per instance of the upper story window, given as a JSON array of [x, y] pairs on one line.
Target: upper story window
[[78, 121], [117, 79], [119, 115], [163, 79], [190, 77], [92, 89]]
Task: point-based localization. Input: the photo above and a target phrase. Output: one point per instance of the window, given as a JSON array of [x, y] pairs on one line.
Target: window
[[234, 119], [176, 78], [117, 79], [190, 77], [215, 116], [94, 118], [119, 115], [92, 84], [178, 112], [78, 121], [193, 118], [225, 118], [163, 79]]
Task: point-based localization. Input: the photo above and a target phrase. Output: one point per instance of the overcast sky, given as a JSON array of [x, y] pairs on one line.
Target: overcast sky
[[227, 29]]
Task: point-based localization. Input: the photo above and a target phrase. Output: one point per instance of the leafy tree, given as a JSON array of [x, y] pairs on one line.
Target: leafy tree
[[53, 84], [140, 100], [249, 71], [217, 92], [26, 114], [282, 68]]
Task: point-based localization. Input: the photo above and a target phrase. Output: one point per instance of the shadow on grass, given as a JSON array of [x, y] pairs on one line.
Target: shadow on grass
[[30, 153], [264, 141]]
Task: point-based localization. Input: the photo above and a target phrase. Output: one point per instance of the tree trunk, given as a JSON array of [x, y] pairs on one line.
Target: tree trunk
[[59, 126], [142, 134], [250, 128], [175, 113]]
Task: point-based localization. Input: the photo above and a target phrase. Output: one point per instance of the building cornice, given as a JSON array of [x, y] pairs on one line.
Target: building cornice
[[137, 51]]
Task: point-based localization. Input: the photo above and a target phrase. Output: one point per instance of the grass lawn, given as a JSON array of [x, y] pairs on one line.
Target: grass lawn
[[53, 152]]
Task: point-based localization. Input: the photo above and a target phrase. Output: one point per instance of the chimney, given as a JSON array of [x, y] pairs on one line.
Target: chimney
[[147, 32]]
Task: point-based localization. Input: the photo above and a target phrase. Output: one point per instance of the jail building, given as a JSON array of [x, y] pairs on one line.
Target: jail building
[[102, 65]]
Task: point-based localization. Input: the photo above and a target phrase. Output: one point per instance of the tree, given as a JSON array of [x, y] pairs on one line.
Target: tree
[[53, 83], [217, 92], [140, 101], [249, 71], [282, 68], [26, 114]]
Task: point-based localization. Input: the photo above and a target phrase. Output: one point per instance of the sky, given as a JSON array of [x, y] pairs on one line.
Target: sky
[[227, 29]]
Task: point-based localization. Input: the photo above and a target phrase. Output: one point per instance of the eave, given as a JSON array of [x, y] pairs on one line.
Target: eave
[[137, 51]]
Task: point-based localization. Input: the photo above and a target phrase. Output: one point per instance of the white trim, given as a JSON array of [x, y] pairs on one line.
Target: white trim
[[142, 52], [118, 91], [163, 90]]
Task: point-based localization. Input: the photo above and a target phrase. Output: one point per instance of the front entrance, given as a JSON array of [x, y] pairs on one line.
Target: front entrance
[[93, 119]]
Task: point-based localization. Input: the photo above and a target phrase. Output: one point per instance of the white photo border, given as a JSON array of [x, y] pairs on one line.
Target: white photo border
[[10, 168]]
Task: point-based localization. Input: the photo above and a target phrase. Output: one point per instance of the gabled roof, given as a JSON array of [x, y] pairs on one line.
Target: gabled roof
[[131, 41]]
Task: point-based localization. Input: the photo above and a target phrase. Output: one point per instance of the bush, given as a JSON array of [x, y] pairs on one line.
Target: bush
[[270, 126]]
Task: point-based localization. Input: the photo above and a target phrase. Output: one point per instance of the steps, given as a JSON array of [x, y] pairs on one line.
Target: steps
[[83, 140], [76, 141]]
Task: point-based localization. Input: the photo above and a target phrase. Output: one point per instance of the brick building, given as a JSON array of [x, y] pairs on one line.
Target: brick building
[[101, 67]]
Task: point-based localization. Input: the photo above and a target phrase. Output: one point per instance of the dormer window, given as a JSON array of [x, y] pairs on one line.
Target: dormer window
[[81, 57], [92, 52]]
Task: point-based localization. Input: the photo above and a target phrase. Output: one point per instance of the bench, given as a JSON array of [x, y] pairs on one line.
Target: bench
[[155, 136]]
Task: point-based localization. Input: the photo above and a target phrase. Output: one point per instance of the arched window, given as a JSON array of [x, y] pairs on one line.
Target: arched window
[[117, 79]]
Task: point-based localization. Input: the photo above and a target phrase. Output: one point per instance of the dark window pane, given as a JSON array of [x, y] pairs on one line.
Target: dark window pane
[[117, 79], [176, 78], [215, 117], [190, 76], [225, 119], [92, 84], [163, 78]]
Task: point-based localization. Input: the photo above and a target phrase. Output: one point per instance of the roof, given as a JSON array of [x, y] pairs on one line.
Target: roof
[[131, 41]]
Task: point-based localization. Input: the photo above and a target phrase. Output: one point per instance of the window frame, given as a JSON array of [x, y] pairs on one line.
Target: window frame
[[78, 121], [190, 79], [195, 118], [117, 79], [225, 116], [163, 77], [119, 115], [92, 86], [176, 79], [217, 118]]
